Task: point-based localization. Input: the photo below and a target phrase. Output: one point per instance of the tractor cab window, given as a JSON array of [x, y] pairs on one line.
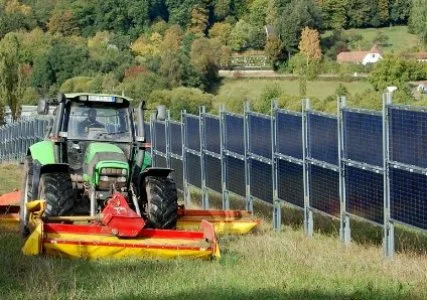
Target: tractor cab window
[[103, 123]]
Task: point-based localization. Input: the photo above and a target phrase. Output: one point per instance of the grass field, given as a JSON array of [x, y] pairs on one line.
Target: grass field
[[263, 265], [231, 89], [10, 177], [398, 38]]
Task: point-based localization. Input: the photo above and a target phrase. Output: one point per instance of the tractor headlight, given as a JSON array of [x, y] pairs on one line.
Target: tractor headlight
[[121, 179], [106, 181], [104, 178]]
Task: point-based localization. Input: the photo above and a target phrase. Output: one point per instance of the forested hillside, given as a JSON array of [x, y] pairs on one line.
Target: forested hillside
[[146, 48]]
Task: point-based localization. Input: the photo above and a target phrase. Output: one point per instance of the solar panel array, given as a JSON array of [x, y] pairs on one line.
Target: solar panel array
[[344, 165]]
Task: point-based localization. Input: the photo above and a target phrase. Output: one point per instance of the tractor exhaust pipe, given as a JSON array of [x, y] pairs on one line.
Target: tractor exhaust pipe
[[141, 129], [140, 139]]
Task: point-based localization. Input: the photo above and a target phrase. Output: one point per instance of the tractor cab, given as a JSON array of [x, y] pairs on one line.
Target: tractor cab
[[94, 122]]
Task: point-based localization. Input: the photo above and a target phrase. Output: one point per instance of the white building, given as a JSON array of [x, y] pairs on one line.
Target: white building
[[360, 57]]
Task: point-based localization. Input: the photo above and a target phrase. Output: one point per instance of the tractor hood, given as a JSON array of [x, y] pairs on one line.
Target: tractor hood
[[100, 156]]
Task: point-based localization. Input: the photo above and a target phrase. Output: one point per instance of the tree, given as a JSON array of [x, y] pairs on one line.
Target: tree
[[170, 64], [358, 13], [63, 22], [205, 59], [257, 12], [15, 16], [399, 11], [151, 47], [180, 11], [271, 12], [309, 44], [309, 47], [128, 17], [418, 19], [273, 50], [221, 31], [221, 9], [65, 59], [334, 13], [240, 36], [199, 21], [394, 70], [383, 10], [12, 76], [295, 16]]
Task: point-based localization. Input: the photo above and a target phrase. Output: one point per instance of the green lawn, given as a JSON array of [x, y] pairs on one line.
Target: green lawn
[[399, 38], [232, 90], [262, 265]]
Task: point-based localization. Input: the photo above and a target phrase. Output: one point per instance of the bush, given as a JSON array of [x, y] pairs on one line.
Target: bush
[[182, 98], [141, 86], [269, 93]]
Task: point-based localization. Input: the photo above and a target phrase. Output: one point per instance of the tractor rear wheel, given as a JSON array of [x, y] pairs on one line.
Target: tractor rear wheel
[[162, 202], [57, 190]]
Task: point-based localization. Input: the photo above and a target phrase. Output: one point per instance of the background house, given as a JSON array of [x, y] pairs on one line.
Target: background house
[[360, 57]]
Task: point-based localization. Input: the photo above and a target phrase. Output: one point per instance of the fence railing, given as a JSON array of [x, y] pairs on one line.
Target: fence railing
[[357, 164]]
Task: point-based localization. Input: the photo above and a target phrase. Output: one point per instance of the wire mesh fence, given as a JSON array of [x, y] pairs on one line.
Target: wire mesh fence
[[356, 164]]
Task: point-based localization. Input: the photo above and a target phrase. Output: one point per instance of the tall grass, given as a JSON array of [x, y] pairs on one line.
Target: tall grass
[[262, 265]]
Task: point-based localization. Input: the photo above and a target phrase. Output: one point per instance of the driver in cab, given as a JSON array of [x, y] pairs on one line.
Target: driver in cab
[[90, 122]]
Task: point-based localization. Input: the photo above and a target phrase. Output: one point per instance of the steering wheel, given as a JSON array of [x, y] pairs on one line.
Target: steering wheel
[[95, 133]]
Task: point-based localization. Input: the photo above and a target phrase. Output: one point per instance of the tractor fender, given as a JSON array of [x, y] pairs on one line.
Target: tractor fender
[[158, 172], [43, 152]]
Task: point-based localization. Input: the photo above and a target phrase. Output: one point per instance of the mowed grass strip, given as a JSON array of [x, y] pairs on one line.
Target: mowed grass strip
[[238, 89], [10, 177], [262, 265]]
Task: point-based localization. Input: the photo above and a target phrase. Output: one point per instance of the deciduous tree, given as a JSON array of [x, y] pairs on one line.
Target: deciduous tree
[[221, 31], [12, 76], [170, 64], [63, 22], [199, 21], [309, 47], [418, 19]]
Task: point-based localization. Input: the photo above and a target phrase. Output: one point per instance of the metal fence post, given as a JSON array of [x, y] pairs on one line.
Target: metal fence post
[[153, 141], [187, 196], [345, 233], [249, 200], [202, 135], [223, 132], [308, 213], [277, 212], [168, 141], [388, 238]]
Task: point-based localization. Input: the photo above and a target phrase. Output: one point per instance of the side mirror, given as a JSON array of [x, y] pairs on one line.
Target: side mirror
[[43, 107], [161, 112]]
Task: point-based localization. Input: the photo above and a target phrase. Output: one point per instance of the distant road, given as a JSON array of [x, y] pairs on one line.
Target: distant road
[[272, 74]]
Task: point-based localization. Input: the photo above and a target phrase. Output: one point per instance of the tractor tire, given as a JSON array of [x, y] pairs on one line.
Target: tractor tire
[[162, 202], [26, 196], [57, 190]]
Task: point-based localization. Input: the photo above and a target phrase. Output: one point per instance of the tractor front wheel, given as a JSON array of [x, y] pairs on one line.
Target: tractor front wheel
[[162, 202], [57, 190], [26, 186]]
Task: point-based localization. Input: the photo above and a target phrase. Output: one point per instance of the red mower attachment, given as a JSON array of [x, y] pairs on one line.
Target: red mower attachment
[[117, 232], [119, 219]]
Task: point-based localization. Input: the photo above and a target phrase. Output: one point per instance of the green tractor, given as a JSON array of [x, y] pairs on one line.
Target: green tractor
[[92, 150]]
